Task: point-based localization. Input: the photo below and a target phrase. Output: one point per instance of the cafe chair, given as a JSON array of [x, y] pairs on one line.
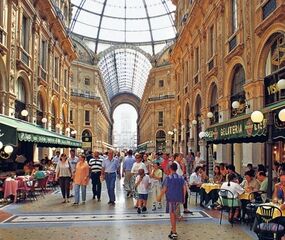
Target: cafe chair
[[196, 190], [228, 202], [263, 227], [255, 199]]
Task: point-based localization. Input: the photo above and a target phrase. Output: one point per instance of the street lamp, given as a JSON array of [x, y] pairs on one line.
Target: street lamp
[[257, 117], [44, 120], [194, 122], [210, 115], [1, 145], [281, 84], [24, 113]]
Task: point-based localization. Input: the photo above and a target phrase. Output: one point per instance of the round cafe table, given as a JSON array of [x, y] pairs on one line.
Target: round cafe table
[[10, 188], [276, 213], [208, 187]]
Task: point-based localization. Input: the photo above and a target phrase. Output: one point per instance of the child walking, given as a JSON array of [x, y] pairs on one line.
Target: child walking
[[174, 187], [142, 184], [156, 176]]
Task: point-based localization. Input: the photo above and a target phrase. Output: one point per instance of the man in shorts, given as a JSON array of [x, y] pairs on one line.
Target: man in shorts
[[174, 187]]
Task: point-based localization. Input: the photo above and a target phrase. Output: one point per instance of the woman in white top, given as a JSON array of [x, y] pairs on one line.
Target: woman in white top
[[64, 174], [233, 186]]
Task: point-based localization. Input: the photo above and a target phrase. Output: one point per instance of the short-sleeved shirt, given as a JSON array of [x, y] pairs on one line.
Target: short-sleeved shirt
[[157, 173], [142, 188], [235, 188], [110, 166], [137, 166], [174, 185], [195, 179], [128, 163]]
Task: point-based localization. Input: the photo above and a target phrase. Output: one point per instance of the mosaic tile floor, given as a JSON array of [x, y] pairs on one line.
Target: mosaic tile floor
[[48, 218]]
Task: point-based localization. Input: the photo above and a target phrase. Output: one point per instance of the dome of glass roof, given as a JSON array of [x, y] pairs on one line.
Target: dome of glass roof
[[148, 24], [124, 34]]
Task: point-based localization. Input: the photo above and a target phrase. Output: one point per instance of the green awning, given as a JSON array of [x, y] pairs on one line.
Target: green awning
[[237, 130], [27, 132]]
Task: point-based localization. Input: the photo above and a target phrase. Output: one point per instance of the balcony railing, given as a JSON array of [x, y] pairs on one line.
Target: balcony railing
[[161, 97], [232, 43], [84, 95], [25, 58], [268, 8], [55, 86]]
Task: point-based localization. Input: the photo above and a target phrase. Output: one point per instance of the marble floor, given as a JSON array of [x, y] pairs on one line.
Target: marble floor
[[48, 218]]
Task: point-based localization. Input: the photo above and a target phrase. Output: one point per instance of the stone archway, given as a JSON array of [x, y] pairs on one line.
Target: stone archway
[[128, 98]]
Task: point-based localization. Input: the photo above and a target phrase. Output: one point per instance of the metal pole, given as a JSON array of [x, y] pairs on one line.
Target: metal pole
[[232, 153], [207, 159], [269, 144]]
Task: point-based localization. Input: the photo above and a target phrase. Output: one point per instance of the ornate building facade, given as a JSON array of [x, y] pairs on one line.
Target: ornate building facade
[[157, 108], [223, 54], [90, 106]]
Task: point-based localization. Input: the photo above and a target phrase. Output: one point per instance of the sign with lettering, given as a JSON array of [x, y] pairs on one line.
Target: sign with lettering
[[236, 131], [271, 91], [8, 135]]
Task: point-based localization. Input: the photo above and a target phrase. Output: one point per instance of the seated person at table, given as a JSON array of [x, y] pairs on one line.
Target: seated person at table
[[195, 178], [218, 177], [38, 172], [250, 183], [232, 170], [263, 181], [233, 186], [279, 191], [224, 171], [204, 176]]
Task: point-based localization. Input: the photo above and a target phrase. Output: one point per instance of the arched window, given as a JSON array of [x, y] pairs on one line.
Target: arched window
[[52, 118], [160, 141], [40, 110], [237, 91], [214, 107], [86, 140], [198, 105], [20, 102]]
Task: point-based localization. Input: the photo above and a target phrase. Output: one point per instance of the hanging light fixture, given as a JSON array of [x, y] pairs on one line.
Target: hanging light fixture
[[235, 104], [24, 113], [256, 117], [44, 120], [281, 84], [194, 122], [210, 115], [8, 149], [281, 114], [202, 135]]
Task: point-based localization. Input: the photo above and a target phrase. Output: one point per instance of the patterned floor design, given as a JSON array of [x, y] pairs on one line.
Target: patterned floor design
[[41, 218]]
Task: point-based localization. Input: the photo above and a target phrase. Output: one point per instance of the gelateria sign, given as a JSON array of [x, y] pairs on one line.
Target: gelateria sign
[[243, 130]]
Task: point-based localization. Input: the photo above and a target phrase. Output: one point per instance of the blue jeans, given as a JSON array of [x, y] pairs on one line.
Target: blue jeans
[[110, 181], [77, 194]]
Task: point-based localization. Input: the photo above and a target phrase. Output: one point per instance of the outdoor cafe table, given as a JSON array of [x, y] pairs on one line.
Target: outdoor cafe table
[[10, 188], [208, 187], [275, 213]]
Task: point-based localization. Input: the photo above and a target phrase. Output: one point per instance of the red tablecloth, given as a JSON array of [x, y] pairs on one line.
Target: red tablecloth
[[10, 188]]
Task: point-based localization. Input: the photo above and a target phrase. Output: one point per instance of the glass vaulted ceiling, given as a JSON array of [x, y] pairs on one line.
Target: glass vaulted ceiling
[[101, 24]]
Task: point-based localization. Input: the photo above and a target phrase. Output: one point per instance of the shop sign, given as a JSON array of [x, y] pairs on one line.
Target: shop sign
[[244, 128], [8, 135], [271, 91]]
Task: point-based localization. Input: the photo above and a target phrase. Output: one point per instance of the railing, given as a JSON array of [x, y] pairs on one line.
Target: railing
[[2, 36], [268, 8], [25, 58], [84, 95], [59, 14], [210, 65], [161, 97], [55, 86], [232, 43], [42, 73]]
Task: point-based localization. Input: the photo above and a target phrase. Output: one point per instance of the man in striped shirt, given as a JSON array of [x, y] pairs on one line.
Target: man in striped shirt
[[95, 164]]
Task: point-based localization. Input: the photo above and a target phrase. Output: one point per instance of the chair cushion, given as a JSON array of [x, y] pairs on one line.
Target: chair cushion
[[270, 227]]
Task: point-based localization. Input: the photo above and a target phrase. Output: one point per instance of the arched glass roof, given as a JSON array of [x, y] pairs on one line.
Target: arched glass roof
[[124, 70], [148, 24]]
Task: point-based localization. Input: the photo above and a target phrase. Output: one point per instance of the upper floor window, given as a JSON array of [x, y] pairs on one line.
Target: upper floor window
[[25, 33], [234, 16], [71, 116], [197, 58], [87, 117], [2, 12], [161, 83], [65, 78], [43, 54], [160, 118], [87, 81], [211, 41], [56, 67]]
